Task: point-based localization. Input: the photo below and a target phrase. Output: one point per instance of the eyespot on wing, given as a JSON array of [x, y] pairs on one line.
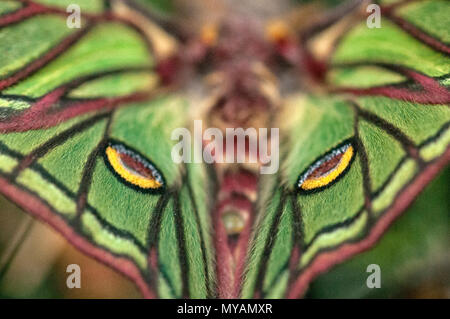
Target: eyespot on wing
[[327, 169], [132, 168]]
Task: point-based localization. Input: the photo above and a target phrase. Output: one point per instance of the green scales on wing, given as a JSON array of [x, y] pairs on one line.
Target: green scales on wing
[[307, 223], [66, 166], [159, 237]]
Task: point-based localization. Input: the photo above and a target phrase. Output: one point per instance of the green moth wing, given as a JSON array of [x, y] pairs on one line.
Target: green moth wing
[[352, 161], [401, 254], [80, 177], [100, 175]]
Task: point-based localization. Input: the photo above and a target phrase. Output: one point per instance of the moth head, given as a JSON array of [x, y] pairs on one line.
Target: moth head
[[132, 168], [327, 169]]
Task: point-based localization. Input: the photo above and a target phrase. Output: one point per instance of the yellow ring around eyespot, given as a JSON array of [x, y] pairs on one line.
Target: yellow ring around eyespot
[[114, 160], [313, 183]]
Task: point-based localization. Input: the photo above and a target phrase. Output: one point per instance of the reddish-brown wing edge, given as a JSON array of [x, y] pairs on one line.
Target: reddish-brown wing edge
[[38, 209]]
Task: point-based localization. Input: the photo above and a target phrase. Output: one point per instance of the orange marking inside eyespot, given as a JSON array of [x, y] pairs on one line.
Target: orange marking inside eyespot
[[328, 171], [131, 170]]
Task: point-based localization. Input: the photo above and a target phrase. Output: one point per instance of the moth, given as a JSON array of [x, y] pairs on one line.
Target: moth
[[86, 117]]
